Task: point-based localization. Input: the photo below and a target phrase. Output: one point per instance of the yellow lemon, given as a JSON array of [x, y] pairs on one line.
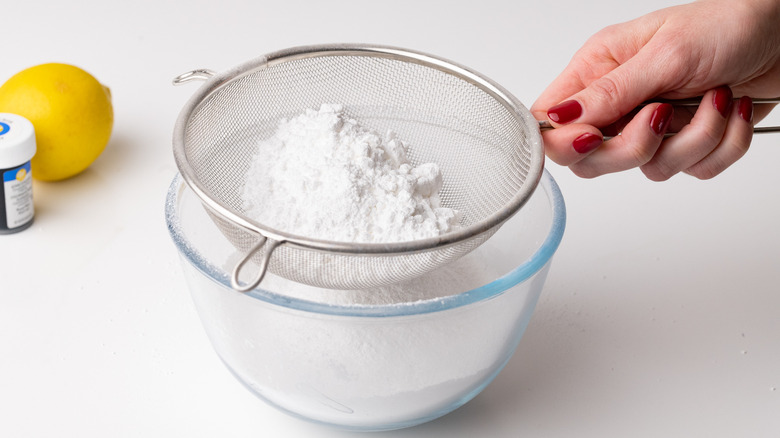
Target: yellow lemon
[[71, 112]]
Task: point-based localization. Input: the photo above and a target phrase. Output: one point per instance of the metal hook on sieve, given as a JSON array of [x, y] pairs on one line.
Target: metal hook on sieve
[[200, 74], [269, 245]]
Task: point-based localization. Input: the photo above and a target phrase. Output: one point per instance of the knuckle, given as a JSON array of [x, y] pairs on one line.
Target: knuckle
[[558, 157], [741, 147], [709, 136], [642, 153], [704, 135], [656, 177], [583, 171], [715, 164], [600, 41], [606, 91], [655, 172], [676, 60], [705, 170]]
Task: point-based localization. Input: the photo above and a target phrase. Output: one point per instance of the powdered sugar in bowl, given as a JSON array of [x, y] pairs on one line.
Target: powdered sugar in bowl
[[376, 359]]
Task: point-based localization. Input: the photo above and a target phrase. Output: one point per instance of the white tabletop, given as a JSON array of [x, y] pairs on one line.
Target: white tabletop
[[660, 316]]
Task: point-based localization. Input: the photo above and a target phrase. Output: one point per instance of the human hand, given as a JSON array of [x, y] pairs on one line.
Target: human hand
[[714, 48]]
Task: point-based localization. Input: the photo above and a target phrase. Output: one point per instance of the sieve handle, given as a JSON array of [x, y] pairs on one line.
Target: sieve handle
[[266, 244], [545, 125]]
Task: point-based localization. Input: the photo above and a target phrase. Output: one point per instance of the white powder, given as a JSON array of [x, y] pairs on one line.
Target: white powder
[[322, 175], [379, 369]]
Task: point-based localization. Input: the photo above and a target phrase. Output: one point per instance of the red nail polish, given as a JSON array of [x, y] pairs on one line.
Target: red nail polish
[[745, 109], [661, 117], [587, 142], [722, 100], [565, 112]]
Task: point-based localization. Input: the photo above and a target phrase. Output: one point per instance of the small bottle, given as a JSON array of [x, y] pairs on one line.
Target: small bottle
[[17, 147]]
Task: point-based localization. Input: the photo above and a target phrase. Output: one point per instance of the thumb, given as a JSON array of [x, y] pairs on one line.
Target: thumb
[[615, 94]]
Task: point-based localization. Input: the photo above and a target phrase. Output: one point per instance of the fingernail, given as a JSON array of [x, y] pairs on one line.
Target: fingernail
[[565, 112], [745, 109], [722, 100], [661, 117], [587, 142]]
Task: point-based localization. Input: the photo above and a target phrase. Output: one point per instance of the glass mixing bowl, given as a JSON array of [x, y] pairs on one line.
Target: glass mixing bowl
[[376, 359]]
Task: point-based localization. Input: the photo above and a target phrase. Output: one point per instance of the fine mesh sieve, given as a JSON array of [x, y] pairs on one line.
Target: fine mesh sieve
[[486, 143]]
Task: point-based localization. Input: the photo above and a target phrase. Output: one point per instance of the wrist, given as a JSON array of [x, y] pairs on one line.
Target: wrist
[[770, 9]]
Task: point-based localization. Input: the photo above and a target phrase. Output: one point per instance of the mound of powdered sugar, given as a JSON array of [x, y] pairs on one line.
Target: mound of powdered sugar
[[324, 176]]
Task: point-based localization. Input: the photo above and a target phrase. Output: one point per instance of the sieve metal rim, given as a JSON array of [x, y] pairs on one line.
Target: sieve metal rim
[[219, 80]]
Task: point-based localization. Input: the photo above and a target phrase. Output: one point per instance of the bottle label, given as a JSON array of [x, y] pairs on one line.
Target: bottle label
[[17, 185]]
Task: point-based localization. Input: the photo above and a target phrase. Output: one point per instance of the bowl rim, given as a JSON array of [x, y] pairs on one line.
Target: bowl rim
[[525, 271]]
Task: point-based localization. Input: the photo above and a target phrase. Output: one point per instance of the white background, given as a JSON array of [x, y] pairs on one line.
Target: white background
[[660, 317]]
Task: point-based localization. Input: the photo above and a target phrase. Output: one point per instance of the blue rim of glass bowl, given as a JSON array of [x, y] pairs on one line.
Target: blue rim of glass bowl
[[521, 273]]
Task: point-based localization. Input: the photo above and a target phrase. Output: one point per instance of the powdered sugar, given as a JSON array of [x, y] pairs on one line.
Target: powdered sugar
[[324, 176]]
